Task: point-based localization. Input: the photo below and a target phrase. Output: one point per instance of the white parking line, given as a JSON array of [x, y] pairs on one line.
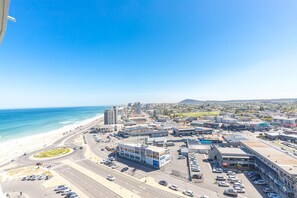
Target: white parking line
[[207, 163]]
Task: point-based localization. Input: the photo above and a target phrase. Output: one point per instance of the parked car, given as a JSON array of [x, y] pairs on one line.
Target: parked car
[[188, 193], [220, 178], [110, 178], [64, 192], [124, 169], [230, 173], [254, 178], [163, 182], [272, 195], [224, 184], [71, 195], [61, 190], [260, 182], [203, 196], [61, 186], [197, 176], [173, 187], [103, 161], [111, 158], [267, 190], [114, 166], [196, 169], [181, 157], [231, 192], [217, 170], [239, 189], [231, 176], [238, 184]]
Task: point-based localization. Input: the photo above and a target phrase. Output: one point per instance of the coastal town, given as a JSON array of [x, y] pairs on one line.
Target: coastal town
[[186, 149], [148, 99]]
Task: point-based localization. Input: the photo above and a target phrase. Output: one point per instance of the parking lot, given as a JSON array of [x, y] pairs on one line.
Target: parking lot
[[208, 185], [33, 187]]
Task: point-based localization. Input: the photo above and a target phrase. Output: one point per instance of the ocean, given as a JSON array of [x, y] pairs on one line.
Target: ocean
[[16, 123]]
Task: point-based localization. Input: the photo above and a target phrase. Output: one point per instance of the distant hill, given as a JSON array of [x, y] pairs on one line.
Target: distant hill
[[193, 101], [190, 101]]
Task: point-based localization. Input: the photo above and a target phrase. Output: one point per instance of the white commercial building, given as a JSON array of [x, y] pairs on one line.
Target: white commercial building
[[148, 155]]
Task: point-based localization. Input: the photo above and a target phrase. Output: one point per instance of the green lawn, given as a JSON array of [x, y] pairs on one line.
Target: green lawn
[[199, 114], [52, 153]]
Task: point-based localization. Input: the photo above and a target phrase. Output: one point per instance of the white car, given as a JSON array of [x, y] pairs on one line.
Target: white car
[[224, 184], [103, 161], [238, 184], [217, 170], [110, 178], [273, 195], [196, 169], [230, 173], [188, 193], [203, 196], [260, 182], [239, 189], [231, 177], [173, 187], [114, 166]]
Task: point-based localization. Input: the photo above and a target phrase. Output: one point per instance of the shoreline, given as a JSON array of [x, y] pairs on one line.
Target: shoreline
[[11, 149]]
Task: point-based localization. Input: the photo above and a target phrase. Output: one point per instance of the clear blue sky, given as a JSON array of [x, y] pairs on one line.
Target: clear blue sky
[[76, 53]]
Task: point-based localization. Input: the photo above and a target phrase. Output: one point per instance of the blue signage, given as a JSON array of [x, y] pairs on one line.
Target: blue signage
[[155, 163]]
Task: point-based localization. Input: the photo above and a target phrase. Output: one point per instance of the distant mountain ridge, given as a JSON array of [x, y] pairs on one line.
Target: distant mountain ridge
[[193, 101]]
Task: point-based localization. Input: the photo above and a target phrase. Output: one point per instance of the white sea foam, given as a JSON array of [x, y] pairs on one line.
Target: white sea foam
[[66, 122], [11, 149]]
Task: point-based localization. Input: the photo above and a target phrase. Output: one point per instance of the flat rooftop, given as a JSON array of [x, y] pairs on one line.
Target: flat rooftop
[[203, 128], [152, 148], [284, 161], [234, 138], [184, 127], [231, 151]]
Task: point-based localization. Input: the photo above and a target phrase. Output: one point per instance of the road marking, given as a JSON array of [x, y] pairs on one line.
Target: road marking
[[135, 191], [208, 163], [242, 196]]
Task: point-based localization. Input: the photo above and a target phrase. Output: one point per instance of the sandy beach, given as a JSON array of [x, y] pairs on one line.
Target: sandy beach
[[12, 149]]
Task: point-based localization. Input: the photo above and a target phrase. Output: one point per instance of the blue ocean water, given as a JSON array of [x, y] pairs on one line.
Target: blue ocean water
[[15, 123]]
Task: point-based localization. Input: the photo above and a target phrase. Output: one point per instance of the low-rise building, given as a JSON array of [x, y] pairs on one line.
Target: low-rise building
[[231, 157], [156, 157], [195, 146], [183, 130], [138, 120], [189, 130], [142, 131], [277, 168], [285, 121]]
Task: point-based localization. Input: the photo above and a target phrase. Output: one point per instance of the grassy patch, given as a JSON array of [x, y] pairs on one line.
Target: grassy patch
[[199, 114], [52, 153]]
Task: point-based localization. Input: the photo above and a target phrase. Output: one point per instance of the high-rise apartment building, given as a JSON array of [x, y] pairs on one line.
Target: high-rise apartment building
[[111, 116]]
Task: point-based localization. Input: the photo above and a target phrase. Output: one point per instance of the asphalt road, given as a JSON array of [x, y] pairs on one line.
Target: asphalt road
[[127, 182], [84, 183]]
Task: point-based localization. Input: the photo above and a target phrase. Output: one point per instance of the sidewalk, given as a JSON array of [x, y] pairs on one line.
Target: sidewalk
[[119, 190]]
